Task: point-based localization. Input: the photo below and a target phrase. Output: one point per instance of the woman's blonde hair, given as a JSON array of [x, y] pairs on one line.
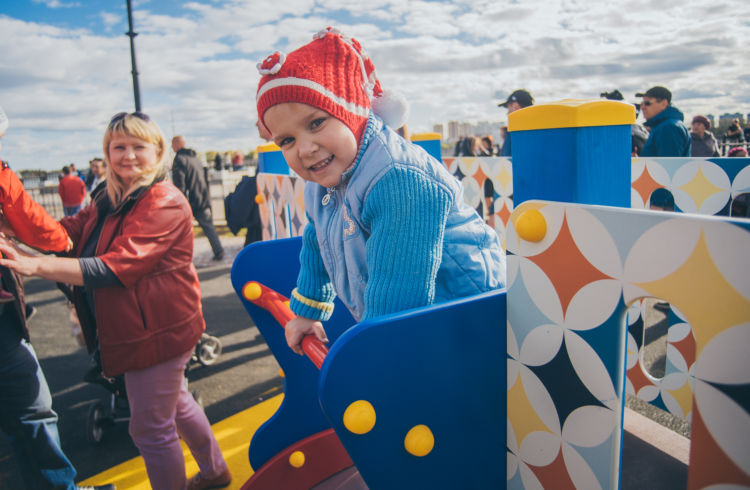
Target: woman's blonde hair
[[139, 126]]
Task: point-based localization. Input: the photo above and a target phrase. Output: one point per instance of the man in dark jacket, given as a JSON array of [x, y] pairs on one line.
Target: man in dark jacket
[[187, 175], [517, 100], [668, 136]]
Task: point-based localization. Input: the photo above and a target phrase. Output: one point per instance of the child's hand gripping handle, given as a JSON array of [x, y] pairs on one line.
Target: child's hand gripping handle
[[278, 306]]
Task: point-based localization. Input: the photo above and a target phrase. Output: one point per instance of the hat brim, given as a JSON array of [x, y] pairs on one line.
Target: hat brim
[[503, 104], [640, 94]]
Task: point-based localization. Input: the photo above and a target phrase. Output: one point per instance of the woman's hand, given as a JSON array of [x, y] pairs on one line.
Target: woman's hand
[[298, 327], [16, 259]]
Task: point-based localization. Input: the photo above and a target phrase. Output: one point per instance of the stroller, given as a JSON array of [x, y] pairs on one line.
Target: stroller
[[105, 414]]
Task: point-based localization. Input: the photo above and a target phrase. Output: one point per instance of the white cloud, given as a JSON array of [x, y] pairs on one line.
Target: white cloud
[[453, 60]]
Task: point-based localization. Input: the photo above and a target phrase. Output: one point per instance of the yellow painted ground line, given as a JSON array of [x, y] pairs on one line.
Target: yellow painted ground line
[[233, 433]]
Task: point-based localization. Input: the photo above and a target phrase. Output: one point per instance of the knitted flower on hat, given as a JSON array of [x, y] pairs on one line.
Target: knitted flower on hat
[[334, 74]]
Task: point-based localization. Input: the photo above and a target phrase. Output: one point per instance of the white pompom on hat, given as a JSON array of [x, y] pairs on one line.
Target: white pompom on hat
[[3, 121], [334, 74]]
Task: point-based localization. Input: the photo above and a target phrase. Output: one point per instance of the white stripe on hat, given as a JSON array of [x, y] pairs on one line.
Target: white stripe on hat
[[301, 82]]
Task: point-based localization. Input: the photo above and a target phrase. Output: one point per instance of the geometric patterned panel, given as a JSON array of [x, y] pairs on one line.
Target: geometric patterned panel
[[568, 295], [282, 210], [702, 186], [488, 187]]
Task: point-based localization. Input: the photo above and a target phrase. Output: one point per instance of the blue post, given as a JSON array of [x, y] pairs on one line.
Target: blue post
[[572, 151]]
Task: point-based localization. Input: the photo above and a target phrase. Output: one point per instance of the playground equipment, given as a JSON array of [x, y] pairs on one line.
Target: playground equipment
[[432, 389]]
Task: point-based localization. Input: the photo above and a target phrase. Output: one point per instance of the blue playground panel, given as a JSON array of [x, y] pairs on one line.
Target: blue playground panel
[[407, 366]]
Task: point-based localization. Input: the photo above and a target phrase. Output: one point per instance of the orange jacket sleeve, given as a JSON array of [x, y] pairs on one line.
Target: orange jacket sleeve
[[31, 223]]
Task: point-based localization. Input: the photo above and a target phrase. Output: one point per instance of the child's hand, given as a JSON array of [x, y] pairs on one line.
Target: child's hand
[[300, 326]]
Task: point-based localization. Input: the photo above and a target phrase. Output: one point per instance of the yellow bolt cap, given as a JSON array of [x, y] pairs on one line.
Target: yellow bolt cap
[[297, 459], [359, 417], [258, 198], [419, 441], [531, 225], [251, 291]]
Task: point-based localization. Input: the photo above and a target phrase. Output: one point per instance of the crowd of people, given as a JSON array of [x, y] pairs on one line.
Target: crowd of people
[[663, 133], [128, 253]]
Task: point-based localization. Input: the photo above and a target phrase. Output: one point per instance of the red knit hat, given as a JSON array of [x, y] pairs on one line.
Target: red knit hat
[[334, 74]]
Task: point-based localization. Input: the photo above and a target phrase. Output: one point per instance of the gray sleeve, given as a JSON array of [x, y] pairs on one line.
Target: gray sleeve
[[96, 274]]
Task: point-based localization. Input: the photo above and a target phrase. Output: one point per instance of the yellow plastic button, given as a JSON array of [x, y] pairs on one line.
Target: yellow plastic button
[[359, 417], [297, 459], [531, 225], [258, 198], [251, 291], [419, 441]]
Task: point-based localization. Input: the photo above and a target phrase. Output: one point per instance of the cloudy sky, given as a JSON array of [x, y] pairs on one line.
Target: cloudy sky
[[65, 64]]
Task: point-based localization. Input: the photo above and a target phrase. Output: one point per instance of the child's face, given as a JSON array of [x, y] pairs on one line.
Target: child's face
[[130, 157], [316, 145]]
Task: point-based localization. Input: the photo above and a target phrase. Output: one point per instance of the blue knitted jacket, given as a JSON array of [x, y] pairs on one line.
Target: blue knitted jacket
[[395, 234]]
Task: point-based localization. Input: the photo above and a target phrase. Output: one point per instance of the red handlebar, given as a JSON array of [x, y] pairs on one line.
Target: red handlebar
[[278, 306]]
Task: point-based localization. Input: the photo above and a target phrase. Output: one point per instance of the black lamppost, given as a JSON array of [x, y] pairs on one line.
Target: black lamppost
[[131, 35]]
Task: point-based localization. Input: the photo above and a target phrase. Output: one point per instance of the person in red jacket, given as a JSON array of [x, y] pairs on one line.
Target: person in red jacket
[[72, 191], [25, 399], [138, 299]]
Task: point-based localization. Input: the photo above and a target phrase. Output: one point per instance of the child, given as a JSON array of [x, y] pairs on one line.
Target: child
[[388, 228], [27, 220]]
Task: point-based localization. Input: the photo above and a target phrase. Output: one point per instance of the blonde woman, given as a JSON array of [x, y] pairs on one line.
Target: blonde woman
[[138, 299]]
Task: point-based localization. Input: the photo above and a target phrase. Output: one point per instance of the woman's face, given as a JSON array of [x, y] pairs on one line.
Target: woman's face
[[131, 157]]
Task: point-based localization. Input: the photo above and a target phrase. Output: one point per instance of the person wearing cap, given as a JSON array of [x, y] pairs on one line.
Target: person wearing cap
[[388, 227], [668, 135], [702, 141], [517, 100], [26, 414]]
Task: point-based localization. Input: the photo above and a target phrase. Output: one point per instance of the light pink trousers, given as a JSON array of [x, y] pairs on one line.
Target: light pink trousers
[[161, 408]]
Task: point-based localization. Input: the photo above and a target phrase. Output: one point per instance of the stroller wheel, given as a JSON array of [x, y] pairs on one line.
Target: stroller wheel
[[98, 422], [208, 350]]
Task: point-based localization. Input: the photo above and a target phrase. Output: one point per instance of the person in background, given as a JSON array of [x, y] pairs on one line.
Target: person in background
[[668, 136], [702, 141], [72, 191], [487, 148], [237, 160], [388, 227], [76, 172], [188, 177], [26, 414], [734, 137], [517, 100], [638, 137], [97, 173], [746, 134], [472, 147], [737, 151], [503, 136], [138, 298], [458, 150]]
